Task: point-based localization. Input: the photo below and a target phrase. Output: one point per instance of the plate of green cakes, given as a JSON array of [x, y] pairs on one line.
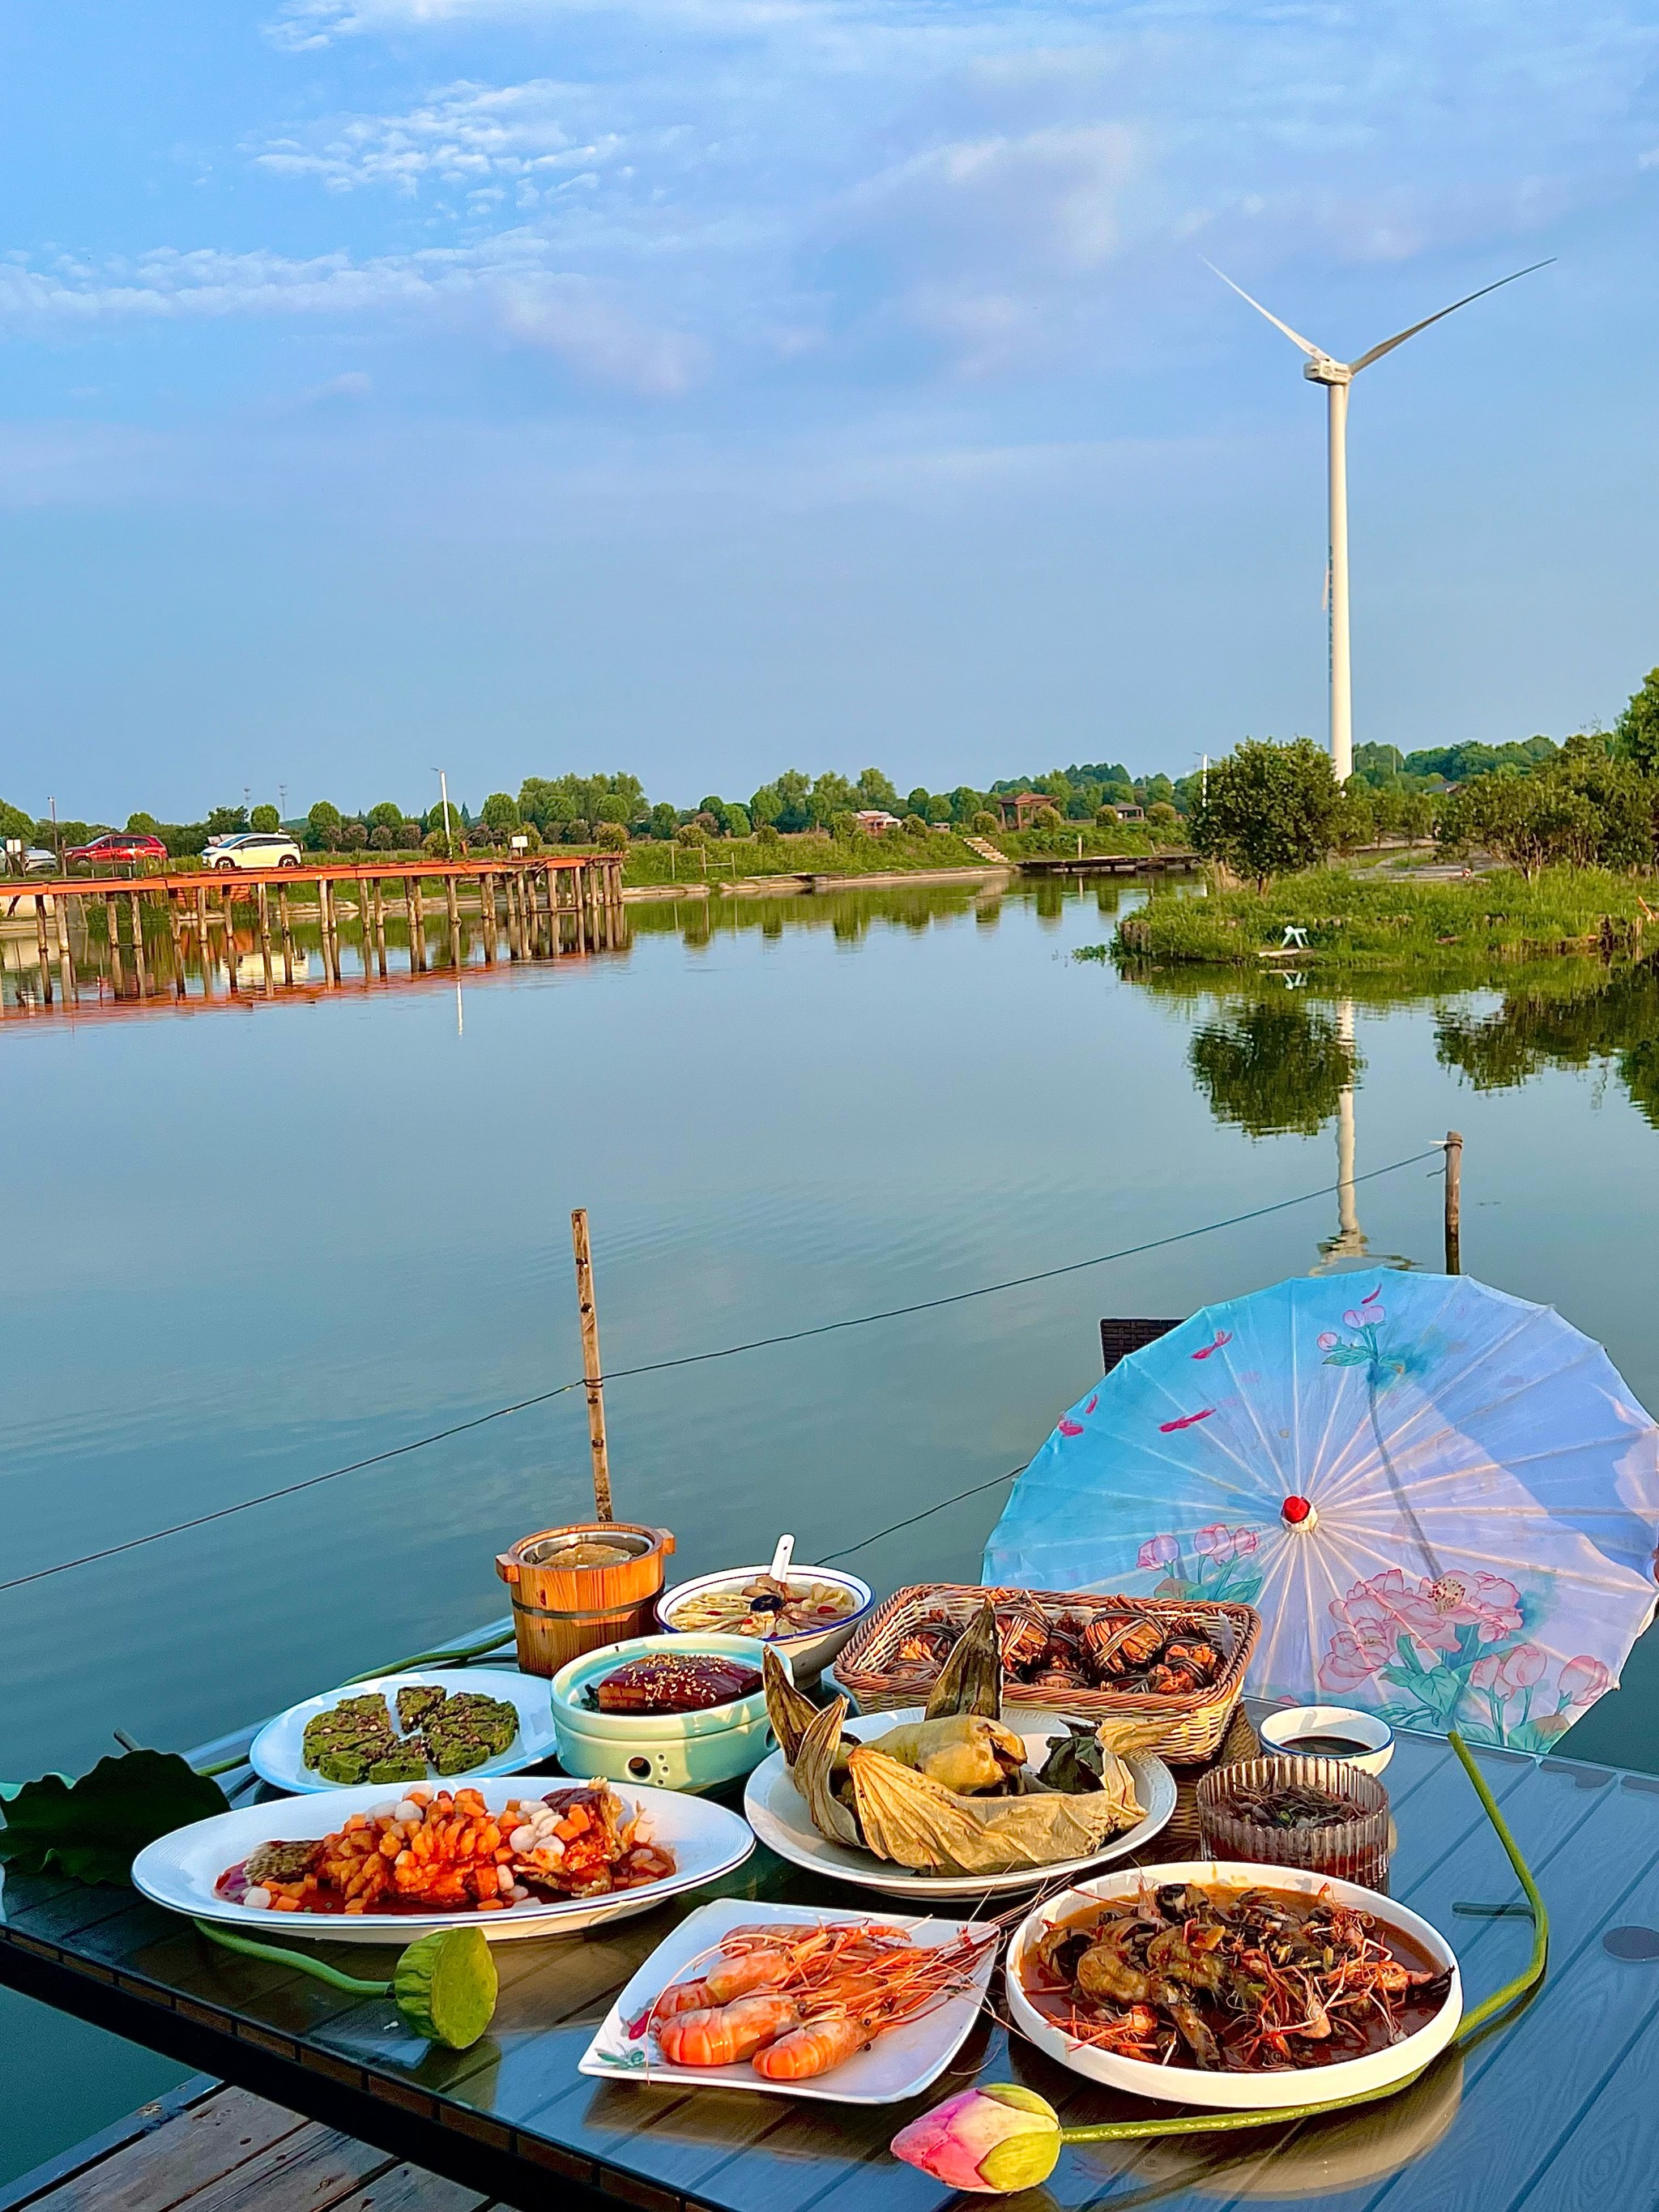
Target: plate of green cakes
[[441, 1726]]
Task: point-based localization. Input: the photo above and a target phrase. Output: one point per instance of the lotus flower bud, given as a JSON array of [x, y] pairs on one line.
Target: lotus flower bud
[[996, 2139]]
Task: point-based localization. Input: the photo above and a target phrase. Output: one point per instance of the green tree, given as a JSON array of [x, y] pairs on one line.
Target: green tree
[[664, 819], [1270, 810], [612, 836], [875, 789], [144, 825], [787, 801], [226, 821], [913, 825], [1272, 1067], [323, 826], [1530, 822], [388, 815], [14, 823], [1637, 731], [499, 814], [737, 822], [266, 820], [832, 795], [353, 835], [767, 835]]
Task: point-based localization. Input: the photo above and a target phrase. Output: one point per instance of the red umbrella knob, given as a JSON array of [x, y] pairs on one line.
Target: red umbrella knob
[[1295, 1511]]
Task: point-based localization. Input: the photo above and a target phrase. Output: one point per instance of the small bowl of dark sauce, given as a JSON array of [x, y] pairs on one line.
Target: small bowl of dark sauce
[[1329, 1732]]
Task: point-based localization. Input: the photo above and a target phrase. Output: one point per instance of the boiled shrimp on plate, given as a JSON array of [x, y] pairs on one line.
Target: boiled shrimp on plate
[[858, 2008]]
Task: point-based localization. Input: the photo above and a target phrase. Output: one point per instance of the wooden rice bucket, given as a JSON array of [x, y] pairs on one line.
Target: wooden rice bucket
[[560, 1611], [1197, 1722]]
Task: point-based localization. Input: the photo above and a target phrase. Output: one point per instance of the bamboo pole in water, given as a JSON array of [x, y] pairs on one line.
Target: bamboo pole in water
[[262, 904], [1454, 1202], [285, 924], [44, 950], [591, 1368], [138, 943], [227, 924], [176, 932], [113, 925], [65, 957]]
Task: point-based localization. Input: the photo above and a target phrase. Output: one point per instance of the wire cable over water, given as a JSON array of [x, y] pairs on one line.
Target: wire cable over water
[[729, 1352]]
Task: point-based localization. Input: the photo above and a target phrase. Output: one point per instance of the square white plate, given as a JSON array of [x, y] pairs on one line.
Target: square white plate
[[899, 2064]]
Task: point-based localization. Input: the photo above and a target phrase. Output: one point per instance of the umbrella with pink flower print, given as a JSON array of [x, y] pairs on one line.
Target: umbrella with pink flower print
[[1444, 1500]]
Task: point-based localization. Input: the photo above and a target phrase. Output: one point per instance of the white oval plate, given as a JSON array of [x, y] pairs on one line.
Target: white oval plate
[[179, 1870], [1257, 2092], [777, 1813], [276, 1755], [900, 2064]]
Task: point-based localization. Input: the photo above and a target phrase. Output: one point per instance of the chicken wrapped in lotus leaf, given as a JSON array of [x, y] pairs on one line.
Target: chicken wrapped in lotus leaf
[[964, 1752], [915, 1822]]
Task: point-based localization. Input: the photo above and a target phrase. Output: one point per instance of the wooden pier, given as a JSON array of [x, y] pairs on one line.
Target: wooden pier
[[1111, 864], [205, 2147], [540, 906]]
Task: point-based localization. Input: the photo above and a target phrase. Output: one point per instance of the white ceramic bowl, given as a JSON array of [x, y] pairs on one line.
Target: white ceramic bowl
[[809, 1654], [1283, 1731], [1254, 2091]]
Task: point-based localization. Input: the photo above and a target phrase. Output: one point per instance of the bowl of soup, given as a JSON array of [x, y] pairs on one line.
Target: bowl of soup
[[808, 1614]]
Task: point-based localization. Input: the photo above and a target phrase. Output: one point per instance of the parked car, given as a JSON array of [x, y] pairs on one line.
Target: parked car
[[117, 848], [40, 861], [254, 848]]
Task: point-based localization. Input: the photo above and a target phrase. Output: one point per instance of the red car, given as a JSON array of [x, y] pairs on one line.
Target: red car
[[118, 847]]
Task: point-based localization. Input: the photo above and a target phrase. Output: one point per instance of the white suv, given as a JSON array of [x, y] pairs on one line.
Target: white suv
[[254, 848]]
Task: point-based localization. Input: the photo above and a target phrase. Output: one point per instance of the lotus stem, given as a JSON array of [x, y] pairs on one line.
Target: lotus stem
[[452, 1657], [324, 1973], [1533, 1974]]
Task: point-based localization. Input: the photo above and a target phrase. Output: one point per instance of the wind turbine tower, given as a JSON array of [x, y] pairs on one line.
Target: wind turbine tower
[[1336, 376]]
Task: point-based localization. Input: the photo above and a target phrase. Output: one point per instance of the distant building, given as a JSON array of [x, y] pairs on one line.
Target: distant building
[[1016, 808], [872, 821], [1128, 813]]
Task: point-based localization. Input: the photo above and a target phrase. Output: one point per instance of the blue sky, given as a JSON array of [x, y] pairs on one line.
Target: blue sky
[[715, 385]]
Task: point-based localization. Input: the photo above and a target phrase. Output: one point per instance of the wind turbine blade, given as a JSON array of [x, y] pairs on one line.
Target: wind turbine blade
[[1295, 337], [1400, 337]]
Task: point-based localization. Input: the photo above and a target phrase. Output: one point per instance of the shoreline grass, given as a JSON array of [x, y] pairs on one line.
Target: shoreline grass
[[1372, 923]]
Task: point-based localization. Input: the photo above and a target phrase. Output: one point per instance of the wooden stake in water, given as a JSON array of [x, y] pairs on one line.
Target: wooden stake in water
[[1454, 1202], [591, 1367]]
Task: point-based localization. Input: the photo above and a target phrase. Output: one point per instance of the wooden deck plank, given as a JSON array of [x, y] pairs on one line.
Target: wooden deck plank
[[181, 2159], [412, 2189], [309, 2170]]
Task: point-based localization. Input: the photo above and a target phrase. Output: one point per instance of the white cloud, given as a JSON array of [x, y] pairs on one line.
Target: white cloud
[[464, 134], [507, 283], [302, 24]]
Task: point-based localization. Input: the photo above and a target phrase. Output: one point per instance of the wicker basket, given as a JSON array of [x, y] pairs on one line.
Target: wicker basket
[[868, 1668]]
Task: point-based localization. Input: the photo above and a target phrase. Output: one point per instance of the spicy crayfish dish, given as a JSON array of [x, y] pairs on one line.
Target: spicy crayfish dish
[[796, 2000], [433, 1851], [1230, 1979]]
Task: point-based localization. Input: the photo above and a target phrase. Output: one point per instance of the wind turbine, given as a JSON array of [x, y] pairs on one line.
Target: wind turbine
[[1336, 376]]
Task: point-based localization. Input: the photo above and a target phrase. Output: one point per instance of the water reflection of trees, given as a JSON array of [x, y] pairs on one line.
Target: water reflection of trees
[[1273, 1065], [1610, 1019], [851, 914]]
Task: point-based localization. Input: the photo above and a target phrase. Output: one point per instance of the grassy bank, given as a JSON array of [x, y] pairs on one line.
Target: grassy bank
[[728, 859], [1368, 922]]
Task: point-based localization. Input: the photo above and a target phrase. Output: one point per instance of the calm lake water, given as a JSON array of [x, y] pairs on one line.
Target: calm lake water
[[247, 1247]]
